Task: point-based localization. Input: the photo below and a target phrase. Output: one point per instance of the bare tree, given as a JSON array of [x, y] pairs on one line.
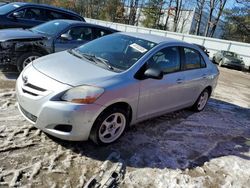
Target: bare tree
[[133, 10], [215, 24], [198, 17], [178, 7], [168, 14], [212, 6]]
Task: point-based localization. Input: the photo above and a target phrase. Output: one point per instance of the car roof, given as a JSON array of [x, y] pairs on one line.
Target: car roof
[[21, 4], [153, 38], [75, 22]]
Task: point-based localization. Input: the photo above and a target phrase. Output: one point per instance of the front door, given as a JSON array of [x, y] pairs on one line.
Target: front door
[[77, 36], [159, 96]]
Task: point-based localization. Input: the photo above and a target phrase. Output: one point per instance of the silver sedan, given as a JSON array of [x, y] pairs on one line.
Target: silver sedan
[[97, 90]]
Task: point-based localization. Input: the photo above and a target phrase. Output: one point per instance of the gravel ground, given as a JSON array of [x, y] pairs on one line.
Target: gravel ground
[[181, 149]]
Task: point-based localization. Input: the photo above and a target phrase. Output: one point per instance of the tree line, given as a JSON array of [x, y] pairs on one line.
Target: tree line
[[236, 20]]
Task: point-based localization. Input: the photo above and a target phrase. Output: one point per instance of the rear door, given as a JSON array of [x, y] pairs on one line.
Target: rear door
[[195, 73]]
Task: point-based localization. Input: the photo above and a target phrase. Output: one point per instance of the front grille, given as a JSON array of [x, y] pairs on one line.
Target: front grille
[[33, 90], [30, 116], [26, 91], [35, 87]]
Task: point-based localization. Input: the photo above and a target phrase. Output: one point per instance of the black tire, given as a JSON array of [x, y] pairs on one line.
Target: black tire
[[95, 136], [196, 107], [25, 56], [213, 60]]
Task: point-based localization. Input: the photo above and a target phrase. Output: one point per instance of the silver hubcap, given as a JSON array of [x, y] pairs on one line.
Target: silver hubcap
[[203, 100], [112, 127], [29, 60]]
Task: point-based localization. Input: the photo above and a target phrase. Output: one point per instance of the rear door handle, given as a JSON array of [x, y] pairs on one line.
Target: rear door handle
[[179, 81]]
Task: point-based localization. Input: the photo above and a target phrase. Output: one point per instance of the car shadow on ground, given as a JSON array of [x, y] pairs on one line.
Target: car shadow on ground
[[178, 140]]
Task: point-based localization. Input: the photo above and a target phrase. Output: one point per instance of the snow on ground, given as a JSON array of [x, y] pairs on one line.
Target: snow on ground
[[180, 149]]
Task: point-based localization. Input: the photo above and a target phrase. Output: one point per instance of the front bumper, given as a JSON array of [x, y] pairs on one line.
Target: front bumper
[[46, 113], [235, 66]]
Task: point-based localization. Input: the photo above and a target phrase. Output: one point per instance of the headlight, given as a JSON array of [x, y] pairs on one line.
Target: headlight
[[83, 94], [6, 45]]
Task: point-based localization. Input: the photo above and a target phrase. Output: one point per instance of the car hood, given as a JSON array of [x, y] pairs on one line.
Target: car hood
[[68, 69], [15, 34]]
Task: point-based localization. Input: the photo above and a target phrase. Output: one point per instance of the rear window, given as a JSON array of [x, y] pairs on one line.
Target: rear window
[[8, 8]]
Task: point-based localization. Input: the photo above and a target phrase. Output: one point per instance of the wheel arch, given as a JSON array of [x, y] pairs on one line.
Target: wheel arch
[[210, 90], [123, 105]]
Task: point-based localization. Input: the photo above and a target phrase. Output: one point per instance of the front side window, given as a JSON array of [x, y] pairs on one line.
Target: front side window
[[30, 14], [119, 50], [80, 33], [192, 59], [166, 60]]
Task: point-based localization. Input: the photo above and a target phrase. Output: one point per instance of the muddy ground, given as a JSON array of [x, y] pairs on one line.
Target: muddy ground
[[181, 149]]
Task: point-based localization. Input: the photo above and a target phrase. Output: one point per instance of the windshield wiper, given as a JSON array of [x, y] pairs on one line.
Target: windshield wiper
[[100, 59]]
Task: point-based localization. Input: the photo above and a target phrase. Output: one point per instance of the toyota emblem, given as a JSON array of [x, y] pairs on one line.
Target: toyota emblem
[[25, 80]]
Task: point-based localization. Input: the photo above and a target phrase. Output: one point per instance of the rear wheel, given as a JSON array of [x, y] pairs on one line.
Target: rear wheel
[[201, 101], [25, 59], [109, 126]]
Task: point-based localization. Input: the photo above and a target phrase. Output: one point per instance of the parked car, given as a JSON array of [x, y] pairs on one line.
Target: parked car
[[229, 59], [27, 15], [3, 3], [98, 89], [203, 48], [19, 47]]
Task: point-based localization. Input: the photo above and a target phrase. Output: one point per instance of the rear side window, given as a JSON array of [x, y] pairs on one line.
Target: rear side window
[[52, 15], [193, 59], [101, 32]]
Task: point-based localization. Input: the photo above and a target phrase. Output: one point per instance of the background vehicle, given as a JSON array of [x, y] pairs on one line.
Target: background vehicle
[[19, 47], [27, 15], [203, 48], [2, 3], [228, 59], [111, 82]]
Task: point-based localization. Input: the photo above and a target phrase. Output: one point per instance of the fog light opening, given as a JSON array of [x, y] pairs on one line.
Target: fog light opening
[[63, 128]]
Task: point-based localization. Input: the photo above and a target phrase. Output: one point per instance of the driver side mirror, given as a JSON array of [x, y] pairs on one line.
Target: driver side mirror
[[16, 15], [65, 37], [153, 73]]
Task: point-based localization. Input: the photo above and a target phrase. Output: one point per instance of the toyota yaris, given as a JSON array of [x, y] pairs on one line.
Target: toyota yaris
[[97, 90]]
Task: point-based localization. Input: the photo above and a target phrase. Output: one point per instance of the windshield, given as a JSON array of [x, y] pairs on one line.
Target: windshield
[[4, 9], [118, 50], [50, 28], [230, 54]]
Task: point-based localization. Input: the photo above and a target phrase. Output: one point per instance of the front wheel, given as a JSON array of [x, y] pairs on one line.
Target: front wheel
[[25, 59], [201, 101], [109, 126]]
